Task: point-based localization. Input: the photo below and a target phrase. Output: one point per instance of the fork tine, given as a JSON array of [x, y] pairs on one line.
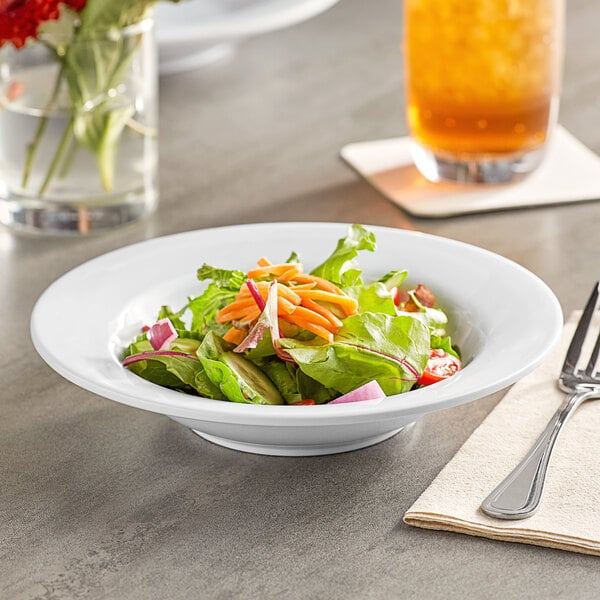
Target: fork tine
[[591, 366], [574, 350]]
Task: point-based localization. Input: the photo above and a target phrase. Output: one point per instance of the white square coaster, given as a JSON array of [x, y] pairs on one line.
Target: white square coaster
[[570, 173]]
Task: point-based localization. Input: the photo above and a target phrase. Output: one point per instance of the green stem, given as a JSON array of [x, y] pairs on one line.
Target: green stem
[[62, 147], [141, 129], [69, 158], [32, 148]]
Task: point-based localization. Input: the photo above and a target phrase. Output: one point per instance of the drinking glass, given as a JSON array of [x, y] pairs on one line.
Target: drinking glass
[[482, 81]]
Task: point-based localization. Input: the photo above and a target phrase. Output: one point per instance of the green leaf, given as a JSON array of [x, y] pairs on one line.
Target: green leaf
[[341, 268], [238, 378], [177, 372], [209, 353], [375, 298], [264, 348], [213, 347], [311, 388], [434, 318], [293, 258], [230, 279], [283, 375], [222, 377], [221, 291], [444, 343], [205, 307], [402, 337], [370, 346], [58, 33], [95, 57], [95, 67], [141, 344], [103, 15], [166, 312]]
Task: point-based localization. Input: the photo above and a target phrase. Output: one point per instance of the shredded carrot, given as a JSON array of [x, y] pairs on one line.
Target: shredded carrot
[[349, 305], [234, 335], [249, 315], [308, 325], [269, 270], [239, 302], [320, 283], [263, 288], [285, 292], [243, 313], [229, 312], [314, 317], [290, 273], [323, 311], [298, 301], [285, 306], [303, 286]]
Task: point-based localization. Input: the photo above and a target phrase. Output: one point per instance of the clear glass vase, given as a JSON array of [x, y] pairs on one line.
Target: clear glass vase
[[78, 132]]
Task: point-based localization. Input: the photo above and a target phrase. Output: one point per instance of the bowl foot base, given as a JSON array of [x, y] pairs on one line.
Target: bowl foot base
[[300, 450]]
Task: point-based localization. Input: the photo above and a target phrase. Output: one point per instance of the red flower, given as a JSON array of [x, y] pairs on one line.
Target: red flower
[[21, 19], [76, 5]]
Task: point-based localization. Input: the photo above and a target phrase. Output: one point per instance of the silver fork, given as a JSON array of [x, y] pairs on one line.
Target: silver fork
[[519, 495]]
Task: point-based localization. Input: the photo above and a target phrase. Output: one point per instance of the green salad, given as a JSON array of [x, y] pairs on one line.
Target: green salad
[[278, 334]]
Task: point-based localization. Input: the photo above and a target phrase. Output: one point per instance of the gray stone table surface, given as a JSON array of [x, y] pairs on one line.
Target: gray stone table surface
[[102, 501]]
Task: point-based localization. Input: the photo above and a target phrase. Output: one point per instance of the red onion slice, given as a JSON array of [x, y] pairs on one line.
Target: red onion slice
[[161, 334], [255, 293], [369, 392], [150, 355]]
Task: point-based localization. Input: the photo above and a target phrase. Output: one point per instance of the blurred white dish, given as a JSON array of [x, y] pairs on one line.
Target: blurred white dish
[[194, 33], [504, 319]]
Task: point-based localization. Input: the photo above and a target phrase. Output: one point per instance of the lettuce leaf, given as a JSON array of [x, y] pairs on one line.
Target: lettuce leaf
[[311, 388], [375, 298], [166, 312], [222, 377], [293, 258], [238, 378], [224, 287], [434, 318], [229, 279], [210, 351], [444, 343], [283, 376], [341, 267], [370, 346], [176, 372]]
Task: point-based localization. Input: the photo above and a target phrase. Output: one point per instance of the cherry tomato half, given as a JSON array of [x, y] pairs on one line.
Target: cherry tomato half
[[439, 366]]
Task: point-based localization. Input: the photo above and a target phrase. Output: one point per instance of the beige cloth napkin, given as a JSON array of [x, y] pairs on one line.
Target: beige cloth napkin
[[569, 515]]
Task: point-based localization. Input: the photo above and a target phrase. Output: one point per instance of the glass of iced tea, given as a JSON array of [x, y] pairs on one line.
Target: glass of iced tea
[[482, 82]]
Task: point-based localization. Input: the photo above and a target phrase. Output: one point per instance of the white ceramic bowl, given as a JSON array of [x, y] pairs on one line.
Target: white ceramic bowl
[[503, 317], [195, 33]]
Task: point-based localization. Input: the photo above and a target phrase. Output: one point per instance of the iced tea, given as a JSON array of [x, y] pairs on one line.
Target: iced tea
[[482, 76]]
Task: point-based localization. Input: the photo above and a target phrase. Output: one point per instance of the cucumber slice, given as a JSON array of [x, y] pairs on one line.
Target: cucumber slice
[[254, 384]]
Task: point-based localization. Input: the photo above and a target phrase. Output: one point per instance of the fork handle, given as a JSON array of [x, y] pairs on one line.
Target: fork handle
[[519, 495]]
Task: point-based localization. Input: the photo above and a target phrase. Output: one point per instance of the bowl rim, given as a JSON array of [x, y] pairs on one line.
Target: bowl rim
[[151, 397]]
